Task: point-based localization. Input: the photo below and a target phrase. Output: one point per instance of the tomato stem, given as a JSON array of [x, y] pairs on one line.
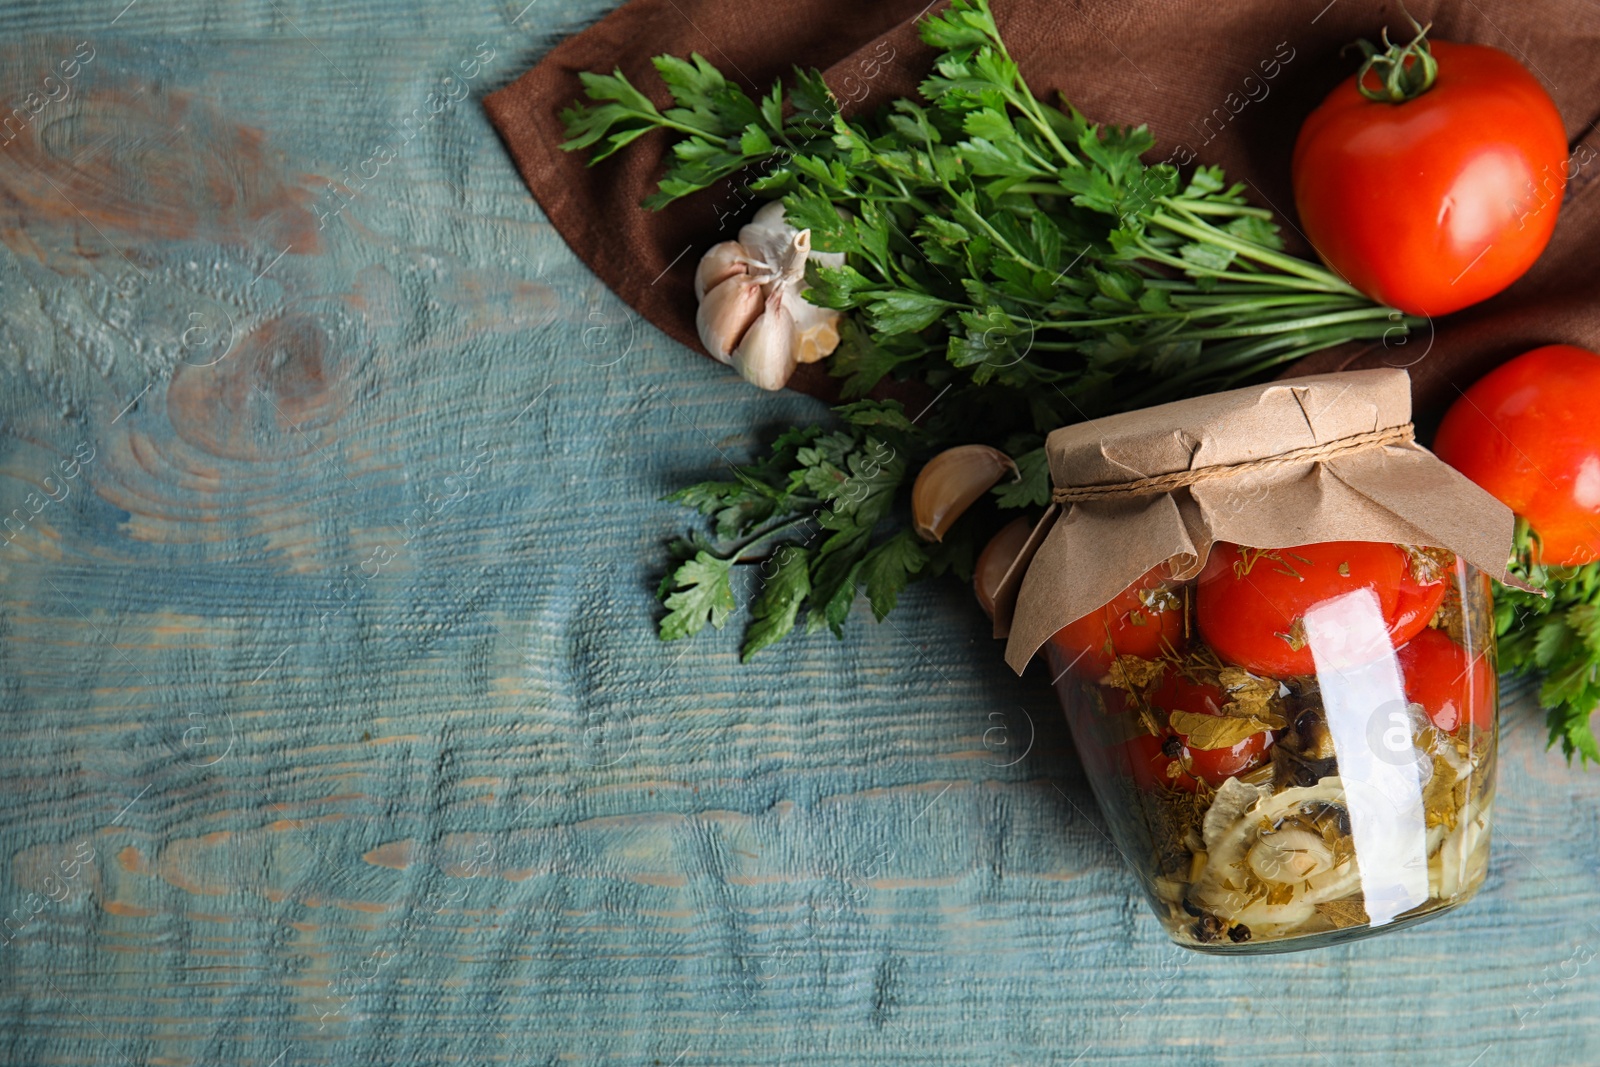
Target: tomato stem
[[1404, 72]]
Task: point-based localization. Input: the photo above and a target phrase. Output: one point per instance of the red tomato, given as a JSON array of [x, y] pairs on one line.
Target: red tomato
[[1139, 621], [1249, 602], [1451, 690], [1152, 758], [1217, 765], [1527, 433], [1152, 767], [1416, 605], [1177, 693], [1440, 201]]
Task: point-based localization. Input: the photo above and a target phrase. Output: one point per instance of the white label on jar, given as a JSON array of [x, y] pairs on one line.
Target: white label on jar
[[1365, 706]]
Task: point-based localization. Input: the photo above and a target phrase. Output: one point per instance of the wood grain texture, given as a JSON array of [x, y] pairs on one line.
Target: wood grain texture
[[327, 631]]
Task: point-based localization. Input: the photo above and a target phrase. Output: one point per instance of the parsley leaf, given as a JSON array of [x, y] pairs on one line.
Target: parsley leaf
[[886, 570], [784, 591], [701, 593], [1031, 489]]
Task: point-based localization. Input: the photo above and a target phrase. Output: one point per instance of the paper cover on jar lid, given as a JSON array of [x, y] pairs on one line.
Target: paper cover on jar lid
[[1324, 458]]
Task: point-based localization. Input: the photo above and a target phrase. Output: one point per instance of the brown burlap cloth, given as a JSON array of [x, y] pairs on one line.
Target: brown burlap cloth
[[1231, 80]]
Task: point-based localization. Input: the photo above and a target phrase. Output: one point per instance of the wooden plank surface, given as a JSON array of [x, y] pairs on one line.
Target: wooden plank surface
[[332, 721]]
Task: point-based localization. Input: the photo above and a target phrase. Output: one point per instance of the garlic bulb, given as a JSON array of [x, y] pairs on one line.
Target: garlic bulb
[[751, 312]]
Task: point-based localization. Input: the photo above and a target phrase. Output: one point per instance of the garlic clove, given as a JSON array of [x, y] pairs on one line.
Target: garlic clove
[[818, 326], [770, 239], [949, 483], [770, 230], [770, 225], [995, 559], [766, 356], [818, 341], [726, 315], [721, 262], [768, 247], [1291, 855]]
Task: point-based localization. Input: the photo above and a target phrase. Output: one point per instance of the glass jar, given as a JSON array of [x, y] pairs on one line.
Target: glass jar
[[1295, 747]]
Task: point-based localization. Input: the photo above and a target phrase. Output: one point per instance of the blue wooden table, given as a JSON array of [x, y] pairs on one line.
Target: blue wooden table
[[333, 723]]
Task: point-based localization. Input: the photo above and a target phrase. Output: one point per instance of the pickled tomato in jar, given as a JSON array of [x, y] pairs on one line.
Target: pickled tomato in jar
[[1296, 745]]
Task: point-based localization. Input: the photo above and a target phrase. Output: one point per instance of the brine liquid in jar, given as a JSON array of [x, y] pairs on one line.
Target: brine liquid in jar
[[1296, 747]]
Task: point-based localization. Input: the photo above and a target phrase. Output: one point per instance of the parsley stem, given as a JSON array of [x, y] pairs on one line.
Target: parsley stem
[[1278, 359], [1203, 231], [1022, 98], [1283, 281], [743, 548], [904, 195], [1049, 167], [1228, 363], [1231, 283], [656, 118], [1211, 207], [1270, 298], [1039, 189], [1265, 328], [994, 234], [1040, 123], [1193, 206], [1335, 311]]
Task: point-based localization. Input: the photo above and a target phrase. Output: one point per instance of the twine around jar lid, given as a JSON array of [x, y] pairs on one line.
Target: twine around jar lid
[[1165, 483]]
